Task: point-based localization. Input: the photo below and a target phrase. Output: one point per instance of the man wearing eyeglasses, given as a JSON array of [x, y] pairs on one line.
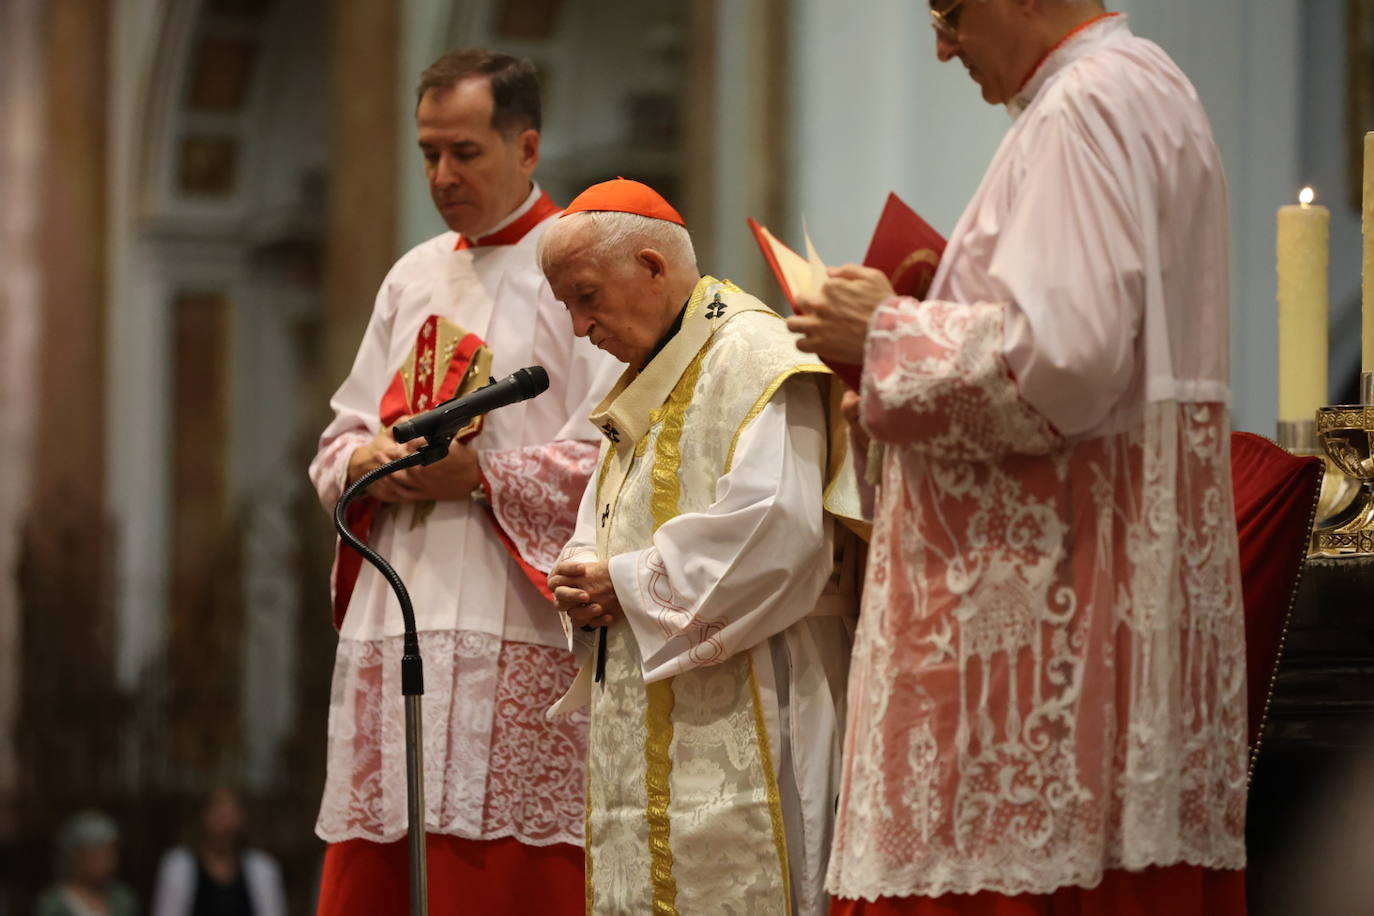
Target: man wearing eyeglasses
[[1047, 694]]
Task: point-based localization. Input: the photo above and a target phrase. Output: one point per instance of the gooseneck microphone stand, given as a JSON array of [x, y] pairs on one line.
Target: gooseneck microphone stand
[[412, 667], [438, 426]]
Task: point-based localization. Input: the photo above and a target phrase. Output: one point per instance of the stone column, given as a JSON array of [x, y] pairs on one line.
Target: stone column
[[21, 142], [737, 118], [71, 715], [360, 238]]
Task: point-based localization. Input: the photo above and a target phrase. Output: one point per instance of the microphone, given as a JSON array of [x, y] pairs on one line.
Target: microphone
[[452, 415]]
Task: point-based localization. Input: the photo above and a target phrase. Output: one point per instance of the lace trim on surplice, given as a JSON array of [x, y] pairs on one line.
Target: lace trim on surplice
[[495, 766]]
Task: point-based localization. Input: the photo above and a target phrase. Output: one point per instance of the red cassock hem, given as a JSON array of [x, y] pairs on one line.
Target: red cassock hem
[[503, 876], [1176, 890]]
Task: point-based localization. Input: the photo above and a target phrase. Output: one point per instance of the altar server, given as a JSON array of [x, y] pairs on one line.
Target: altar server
[[473, 536]]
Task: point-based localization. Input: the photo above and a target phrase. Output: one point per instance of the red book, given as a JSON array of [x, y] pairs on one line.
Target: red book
[[904, 247]]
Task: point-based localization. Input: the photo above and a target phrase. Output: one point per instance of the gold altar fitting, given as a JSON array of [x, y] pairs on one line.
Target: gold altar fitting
[[1346, 432], [1299, 437]]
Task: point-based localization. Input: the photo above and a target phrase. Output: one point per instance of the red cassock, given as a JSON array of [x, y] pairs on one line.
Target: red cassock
[[1179, 890], [465, 876]]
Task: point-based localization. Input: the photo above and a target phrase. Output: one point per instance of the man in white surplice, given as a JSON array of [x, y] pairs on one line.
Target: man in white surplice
[[473, 536], [1048, 684], [706, 550]]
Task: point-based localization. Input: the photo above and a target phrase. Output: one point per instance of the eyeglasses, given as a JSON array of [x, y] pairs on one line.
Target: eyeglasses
[[946, 21]]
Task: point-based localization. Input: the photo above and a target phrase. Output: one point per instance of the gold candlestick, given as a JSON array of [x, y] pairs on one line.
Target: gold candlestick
[[1346, 432], [1299, 437]]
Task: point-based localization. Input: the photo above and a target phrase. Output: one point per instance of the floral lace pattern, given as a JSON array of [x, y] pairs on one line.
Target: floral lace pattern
[[944, 384], [1048, 679], [495, 766], [535, 492], [719, 850]]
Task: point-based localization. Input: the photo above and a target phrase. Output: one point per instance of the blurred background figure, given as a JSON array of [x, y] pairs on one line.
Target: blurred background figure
[[86, 864], [218, 874]]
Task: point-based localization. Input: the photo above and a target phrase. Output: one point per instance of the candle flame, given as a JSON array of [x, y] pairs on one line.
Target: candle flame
[[1306, 196]]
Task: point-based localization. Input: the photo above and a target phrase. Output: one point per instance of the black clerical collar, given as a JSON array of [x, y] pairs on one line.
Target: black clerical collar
[[667, 335]]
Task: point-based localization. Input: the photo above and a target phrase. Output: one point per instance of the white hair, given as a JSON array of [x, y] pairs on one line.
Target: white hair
[[82, 830], [622, 235]]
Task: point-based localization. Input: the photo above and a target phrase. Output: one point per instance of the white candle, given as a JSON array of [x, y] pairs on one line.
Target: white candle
[[1303, 253]]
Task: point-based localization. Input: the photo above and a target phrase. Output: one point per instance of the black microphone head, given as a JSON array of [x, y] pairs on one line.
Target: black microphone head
[[533, 380], [405, 430]]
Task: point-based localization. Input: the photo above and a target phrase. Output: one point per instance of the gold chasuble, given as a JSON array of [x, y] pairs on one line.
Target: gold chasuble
[[684, 807]]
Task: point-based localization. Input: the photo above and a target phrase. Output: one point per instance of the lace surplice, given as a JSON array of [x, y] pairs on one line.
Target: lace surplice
[[492, 646], [1048, 677], [487, 776]]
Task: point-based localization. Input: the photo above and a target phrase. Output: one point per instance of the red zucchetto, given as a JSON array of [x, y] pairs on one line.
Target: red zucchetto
[[622, 195]]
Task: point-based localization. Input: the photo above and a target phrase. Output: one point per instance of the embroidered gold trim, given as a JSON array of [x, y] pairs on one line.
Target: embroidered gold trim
[[605, 469], [771, 780], [698, 294], [658, 769], [839, 436], [668, 449], [590, 892], [762, 402], [658, 722]]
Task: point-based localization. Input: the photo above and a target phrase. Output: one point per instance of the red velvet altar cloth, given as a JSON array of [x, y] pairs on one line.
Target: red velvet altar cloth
[[1276, 498], [361, 878], [1178, 890]]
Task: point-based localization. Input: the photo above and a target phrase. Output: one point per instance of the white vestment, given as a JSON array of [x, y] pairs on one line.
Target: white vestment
[[1049, 674], [714, 740], [488, 637]]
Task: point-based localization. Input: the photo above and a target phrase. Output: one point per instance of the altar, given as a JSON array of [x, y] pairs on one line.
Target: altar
[[1314, 756]]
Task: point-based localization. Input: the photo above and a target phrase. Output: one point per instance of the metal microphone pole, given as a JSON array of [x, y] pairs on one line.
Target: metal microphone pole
[[438, 426], [412, 666]]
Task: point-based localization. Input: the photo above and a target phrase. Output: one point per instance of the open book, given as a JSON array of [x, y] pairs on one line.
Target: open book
[[904, 247]]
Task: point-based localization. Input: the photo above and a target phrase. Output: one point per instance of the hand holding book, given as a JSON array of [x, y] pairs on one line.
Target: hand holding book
[[905, 252], [833, 320]]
